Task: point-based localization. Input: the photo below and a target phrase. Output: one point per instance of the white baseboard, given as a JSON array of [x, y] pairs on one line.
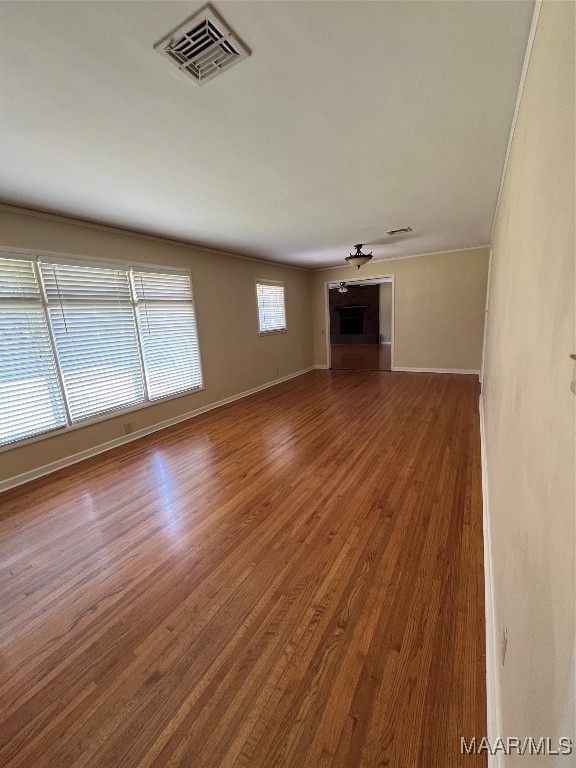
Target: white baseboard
[[437, 370], [321, 367], [492, 668], [46, 469]]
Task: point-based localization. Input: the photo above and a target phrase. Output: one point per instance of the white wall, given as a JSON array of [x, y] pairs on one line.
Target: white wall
[[529, 410]]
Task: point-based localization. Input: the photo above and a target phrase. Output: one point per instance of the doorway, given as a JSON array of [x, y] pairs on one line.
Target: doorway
[[360, 324]]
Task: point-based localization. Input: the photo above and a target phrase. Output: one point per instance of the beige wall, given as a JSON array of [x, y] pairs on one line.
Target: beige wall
[[234, 357], [439, 308], [529, 410], [385, 312]]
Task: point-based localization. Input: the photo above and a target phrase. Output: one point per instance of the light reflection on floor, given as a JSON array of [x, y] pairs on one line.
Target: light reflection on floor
[[165, 489], [278, 444]]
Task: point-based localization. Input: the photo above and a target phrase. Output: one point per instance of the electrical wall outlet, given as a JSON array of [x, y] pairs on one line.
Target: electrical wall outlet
[[128, 427], [504, 644]]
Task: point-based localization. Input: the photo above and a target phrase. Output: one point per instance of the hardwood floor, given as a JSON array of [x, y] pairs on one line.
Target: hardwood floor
[[369, 357], [291, 580]]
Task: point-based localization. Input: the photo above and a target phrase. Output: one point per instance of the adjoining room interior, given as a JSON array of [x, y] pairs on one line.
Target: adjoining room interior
[[361, 324], [241, 527]]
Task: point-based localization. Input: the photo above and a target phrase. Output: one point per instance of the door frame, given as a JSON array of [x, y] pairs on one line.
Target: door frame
[[376, 279]]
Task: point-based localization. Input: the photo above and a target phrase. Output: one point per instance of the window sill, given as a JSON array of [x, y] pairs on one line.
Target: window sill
[[271, 333], [95, 420]]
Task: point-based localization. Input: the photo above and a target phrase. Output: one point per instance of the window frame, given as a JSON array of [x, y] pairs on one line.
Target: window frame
[[136, 301], [36, 256], [277, 283]]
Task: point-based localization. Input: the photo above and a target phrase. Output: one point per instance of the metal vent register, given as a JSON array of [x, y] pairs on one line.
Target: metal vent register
[[401, 231], [203, 46]]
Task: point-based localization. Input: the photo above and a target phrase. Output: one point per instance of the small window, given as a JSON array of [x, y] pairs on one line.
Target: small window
[[271, 306]]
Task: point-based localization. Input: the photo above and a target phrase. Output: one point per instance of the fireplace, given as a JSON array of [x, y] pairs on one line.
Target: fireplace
[[355, 315], [352, 319]]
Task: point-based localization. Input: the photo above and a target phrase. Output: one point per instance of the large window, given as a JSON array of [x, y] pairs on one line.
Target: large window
[[271, 306], [78, 340]]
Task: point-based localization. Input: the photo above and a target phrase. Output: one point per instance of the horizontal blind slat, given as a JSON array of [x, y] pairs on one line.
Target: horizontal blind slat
[[31, 400], [168, 332], [154, 286], [94, 328], [100, 349], [64, 282], [271, 307]]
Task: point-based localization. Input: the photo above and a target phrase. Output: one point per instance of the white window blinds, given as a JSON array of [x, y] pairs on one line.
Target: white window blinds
[[31, 400], [92, 318], [271, 307], [79, 340], [167, 326]]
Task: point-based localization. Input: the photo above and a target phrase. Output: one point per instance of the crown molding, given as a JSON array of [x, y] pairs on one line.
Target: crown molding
[[86, 223], [410, 256], [527, 56]]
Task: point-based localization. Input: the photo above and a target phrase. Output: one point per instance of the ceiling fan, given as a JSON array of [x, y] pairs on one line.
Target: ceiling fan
[[342, 287]]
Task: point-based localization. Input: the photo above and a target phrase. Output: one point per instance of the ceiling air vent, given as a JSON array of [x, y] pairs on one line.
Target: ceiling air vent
[[400, 231], [203, 46]]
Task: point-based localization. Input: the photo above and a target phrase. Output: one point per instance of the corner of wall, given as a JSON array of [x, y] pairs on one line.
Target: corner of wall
[[493, 721]]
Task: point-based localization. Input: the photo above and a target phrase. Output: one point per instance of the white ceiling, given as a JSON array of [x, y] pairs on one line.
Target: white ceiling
[[349, 119]]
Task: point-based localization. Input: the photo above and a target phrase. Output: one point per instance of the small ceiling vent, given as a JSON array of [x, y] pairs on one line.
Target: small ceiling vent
[[400, 231], [203, 46]]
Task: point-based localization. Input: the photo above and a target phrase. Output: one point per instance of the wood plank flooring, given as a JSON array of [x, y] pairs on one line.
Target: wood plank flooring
[[291, 580], [369, 357]]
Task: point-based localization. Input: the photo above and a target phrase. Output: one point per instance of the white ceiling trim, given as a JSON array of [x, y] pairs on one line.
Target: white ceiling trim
[[410, 256], [525, 66], [183, 244], [360, 282], [134, 233]]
